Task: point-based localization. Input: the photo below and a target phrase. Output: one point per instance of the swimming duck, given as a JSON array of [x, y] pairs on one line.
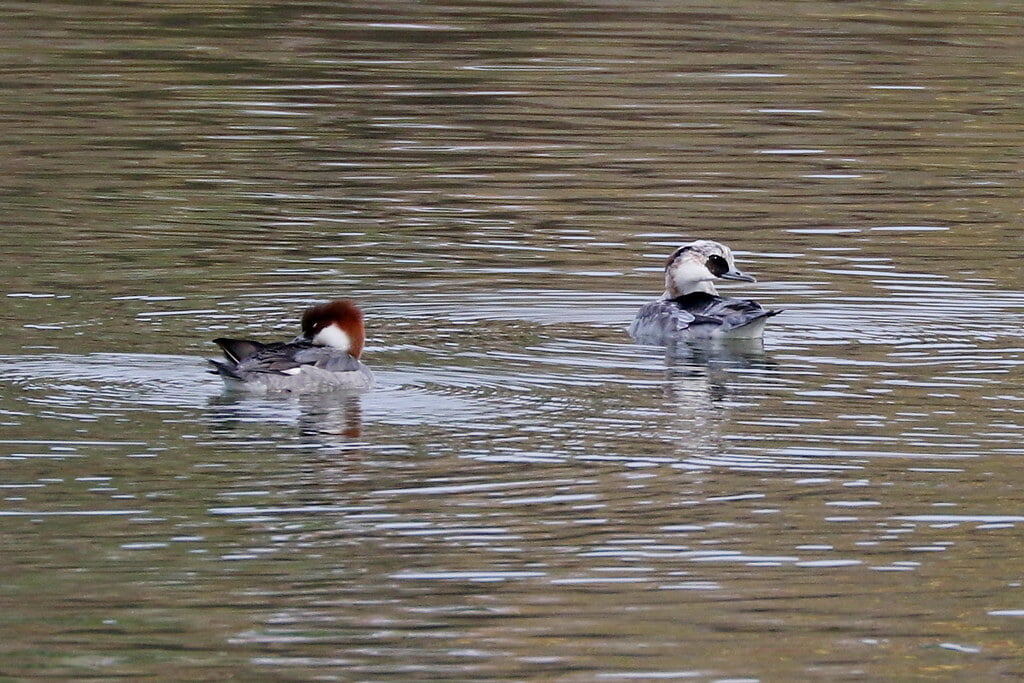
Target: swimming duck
[[691, 308], [325, 357]]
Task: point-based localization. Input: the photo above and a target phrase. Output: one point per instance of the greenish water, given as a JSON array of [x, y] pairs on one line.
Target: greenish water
[[527, 495]]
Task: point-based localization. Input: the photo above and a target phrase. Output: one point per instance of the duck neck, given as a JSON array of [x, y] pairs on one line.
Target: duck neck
[[672, 289]]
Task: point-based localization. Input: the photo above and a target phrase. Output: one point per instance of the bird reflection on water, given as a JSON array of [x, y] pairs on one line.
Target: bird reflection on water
[[703, 384], [326, 413], [714, 360]]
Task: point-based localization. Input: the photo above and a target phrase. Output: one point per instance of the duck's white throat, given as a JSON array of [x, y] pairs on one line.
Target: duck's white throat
[[333, 336], [686, 276]]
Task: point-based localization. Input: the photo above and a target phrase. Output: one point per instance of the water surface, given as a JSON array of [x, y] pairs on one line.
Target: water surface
[[527, 495]]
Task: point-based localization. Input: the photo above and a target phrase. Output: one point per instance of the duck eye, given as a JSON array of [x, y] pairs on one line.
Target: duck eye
[[717, 265]]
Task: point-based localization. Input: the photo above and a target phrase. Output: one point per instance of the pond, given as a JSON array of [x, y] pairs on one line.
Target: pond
[[527, 494]]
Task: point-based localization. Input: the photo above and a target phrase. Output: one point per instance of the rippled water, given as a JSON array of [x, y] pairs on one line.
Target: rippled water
[[527, 495]]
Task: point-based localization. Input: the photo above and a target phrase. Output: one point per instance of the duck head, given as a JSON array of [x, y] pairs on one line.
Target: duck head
[[695, 266], [338, 324]]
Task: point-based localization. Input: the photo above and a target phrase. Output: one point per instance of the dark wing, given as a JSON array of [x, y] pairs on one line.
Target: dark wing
[[726, 312], [244, 356], [235, 351], [238, 350], [280, 358]]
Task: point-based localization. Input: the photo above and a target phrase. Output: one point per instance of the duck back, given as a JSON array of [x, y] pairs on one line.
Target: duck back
[[699, 315], [289, 366]]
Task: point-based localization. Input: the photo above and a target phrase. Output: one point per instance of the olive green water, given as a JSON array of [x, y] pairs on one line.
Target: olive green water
[[527, 495]]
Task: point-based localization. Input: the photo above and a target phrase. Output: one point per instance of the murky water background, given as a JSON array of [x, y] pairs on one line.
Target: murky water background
[[528, 495]]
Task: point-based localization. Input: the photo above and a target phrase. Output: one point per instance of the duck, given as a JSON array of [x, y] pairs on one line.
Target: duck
[[691, 308], [324, 357]]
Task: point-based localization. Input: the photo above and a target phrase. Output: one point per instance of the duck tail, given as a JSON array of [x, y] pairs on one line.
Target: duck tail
[[223, 369], [760, 318]]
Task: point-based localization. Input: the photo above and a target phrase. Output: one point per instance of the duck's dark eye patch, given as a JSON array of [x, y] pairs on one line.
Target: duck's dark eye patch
[[717, 265]]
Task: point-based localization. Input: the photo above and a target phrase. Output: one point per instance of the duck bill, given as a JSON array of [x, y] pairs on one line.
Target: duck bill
[[737, 275]]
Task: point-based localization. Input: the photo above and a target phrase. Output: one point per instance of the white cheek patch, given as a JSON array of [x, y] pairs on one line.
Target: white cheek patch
[[333, 336], [292, 371], [691, 271]]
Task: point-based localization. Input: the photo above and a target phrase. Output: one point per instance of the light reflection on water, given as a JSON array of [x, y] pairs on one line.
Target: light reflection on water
[[527, 495], [651, 472]]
